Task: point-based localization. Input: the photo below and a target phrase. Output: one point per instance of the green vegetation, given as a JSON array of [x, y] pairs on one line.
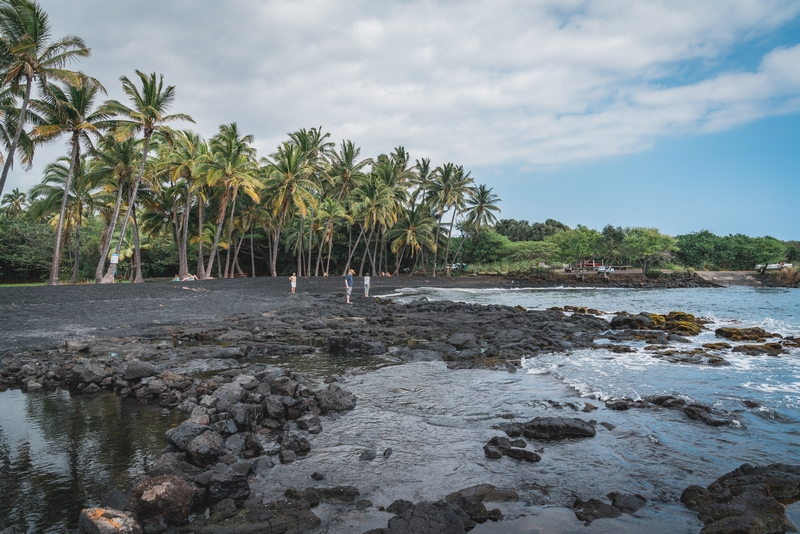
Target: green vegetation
[[162, 201]]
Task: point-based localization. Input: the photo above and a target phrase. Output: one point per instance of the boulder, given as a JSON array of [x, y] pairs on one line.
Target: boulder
[[463, 341], [749, 499], [137, 369], [744, 334], [94, 373], [334, 398], [642, 321], [246, 416], [551, 428], [77, 345], [206, 448], [427, 518], [310, 422], [107, 521], [228, 394], [167, 496], [588, 511], [180, 436]]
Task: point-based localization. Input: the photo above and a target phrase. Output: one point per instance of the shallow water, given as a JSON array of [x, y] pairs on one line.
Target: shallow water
[[60, 454]]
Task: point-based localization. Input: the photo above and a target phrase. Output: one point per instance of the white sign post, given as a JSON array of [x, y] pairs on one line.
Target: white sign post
[[114, 259]]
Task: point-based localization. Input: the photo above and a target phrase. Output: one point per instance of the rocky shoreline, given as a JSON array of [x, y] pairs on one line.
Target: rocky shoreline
[[247, 416]]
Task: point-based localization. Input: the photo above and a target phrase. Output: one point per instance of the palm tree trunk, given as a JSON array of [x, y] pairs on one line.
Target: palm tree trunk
[[183, 257], [366, 252], [375, 255], [220, 223], [101, 264], [230, 233], [399, 260], [235, 267], [73, 162], [137, 249], [352, 251], [252, 256], [449, 235], [436, 242], [310, 237], [277, 241], [20, 125], [74, 278], [109, 277], [201, 208], [300, 248], [414, 268]]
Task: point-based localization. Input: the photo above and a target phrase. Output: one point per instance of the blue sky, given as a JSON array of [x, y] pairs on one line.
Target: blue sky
[[679, 115]]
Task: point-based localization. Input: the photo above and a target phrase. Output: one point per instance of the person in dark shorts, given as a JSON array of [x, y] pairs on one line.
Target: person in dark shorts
[[348, 283]]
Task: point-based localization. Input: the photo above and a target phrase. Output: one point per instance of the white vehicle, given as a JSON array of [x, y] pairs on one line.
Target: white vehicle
[[773, 266]]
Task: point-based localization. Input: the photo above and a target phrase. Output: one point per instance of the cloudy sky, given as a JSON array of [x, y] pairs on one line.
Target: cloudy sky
[[678, 114]]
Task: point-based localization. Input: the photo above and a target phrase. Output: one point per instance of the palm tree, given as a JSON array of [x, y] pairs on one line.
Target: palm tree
[[414, 232], [233, 166], [115, 163], [148, 116], [187, 162], [27, 54], [69, 186], [480, 205], [448, 189], [14, 204], [68, 112], [289, 180], [9, 120]]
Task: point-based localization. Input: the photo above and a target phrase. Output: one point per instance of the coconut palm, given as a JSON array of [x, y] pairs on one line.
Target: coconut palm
[[289, 180], [68, 112], [413, 232], [115, 163], [186, 162], [9, 120], [13, 205], [147, 116], [28, 55], [448, 190], [69, 186], [232, 165], [480, 204]]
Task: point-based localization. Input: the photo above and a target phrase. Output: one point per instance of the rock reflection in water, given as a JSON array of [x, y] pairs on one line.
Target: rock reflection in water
[[60, 453]]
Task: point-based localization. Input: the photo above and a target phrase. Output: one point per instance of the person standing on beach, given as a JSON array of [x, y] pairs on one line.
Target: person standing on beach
[[366, 285], [293, 280], [348, 283]]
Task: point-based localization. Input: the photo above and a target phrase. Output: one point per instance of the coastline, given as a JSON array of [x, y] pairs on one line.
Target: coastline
[[236, 320]]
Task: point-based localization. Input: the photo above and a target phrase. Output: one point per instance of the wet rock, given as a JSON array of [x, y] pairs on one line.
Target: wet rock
[[94, 373], [206, 448], [334, 398], [462, 341], [180, 436], [634, 322], [705, 414], [246, 416], [106, 521], [550, 428], [770, 349], [154, 525], [749, 499], [745, 334], [262, 465], [296, 443], [167, 496], [334, 495], [92, 389], [627, 503], [173, 464], [311, 423], [317, 476], [427, 518], [367, 455], [387, 452], [588, 511], [137, 369], [421, 354], [228, 485], [287, 456]]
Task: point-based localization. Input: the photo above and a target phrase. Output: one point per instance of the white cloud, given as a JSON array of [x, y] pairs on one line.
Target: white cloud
[[475, 82]]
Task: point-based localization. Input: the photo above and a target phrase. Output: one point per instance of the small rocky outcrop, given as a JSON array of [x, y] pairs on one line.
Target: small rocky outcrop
[[588, 511], [676, 322], [425, 517], [694, 411], [500, 446], [756, 334], [749, 499], [550, 428]]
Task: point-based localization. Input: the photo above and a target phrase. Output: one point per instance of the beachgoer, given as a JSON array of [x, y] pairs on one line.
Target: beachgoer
[[293, 280], [176, 279], [348, 283], [366, 285]]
